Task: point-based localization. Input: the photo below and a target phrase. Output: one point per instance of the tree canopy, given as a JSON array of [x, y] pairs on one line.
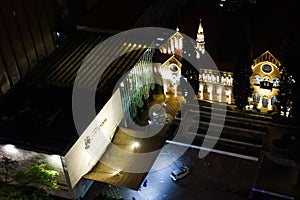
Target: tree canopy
[[27, 184], [241, 81]]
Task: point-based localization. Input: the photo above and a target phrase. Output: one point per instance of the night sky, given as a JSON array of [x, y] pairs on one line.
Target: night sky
[[271, 24]]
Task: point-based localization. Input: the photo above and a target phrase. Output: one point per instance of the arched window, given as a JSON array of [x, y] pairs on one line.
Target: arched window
[[204, 77], [266, 78], [266, 84], [265, 101], [224, 80], [274, 100], [209, 77], [276, 82], [256, 97], [256, 80]]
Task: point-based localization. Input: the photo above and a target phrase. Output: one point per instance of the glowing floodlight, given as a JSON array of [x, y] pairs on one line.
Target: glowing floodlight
[[135, 145], [9, 148]]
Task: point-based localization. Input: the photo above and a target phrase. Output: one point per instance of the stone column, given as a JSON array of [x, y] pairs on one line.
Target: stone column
[[175, 90], [201, 91], [220, 94], [269, 104], [209, 89], [260, 103]]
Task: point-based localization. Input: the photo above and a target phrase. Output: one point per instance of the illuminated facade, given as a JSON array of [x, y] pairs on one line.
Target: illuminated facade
[[265, 81], [171, 73], [213, 85], [216, 86], [174, 44]]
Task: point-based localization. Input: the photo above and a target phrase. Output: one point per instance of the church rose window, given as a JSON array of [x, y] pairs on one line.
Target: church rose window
[[267, 68], [173, 68]]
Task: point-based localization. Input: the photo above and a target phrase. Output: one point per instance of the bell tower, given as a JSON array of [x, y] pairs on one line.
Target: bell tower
[[200, 48]]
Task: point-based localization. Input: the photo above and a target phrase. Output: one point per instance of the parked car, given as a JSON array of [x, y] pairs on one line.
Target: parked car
[[180, 173]]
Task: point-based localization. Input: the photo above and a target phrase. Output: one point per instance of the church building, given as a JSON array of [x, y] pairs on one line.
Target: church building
[[265, 81], [216, 85]]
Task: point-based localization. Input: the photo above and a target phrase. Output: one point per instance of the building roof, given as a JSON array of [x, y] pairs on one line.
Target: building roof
[[37, 114]]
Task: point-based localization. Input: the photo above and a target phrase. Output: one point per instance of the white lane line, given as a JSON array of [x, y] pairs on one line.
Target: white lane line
[[214, 151], [226, 140], [230, 127]]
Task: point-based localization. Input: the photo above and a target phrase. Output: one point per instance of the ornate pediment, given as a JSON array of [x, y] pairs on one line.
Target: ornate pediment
[[171, 60], [266, 56]]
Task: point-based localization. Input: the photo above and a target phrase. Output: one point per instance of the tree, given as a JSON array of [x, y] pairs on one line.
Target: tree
[[9, 165], [286, 93], [27, 184], [241, 81], [103, 196], [38, 176], [241, 86], [10, 192]]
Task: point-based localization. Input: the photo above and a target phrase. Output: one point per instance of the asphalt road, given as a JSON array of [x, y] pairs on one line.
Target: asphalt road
[[217, 177]]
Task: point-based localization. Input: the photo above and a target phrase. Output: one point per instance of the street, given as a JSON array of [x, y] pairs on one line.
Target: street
[[216, 177]]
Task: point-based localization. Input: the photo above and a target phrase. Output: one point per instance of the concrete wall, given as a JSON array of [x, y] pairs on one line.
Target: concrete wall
[[93, 142]]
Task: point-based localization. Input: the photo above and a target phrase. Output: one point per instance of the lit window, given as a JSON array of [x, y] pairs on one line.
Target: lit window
[[204, 77], [266, 78], [213, 78], [228, 80], [256, 80], [274, 100], [223, 80], [256, 97], [266, 84], [276, 82], [208, 77], [200, 77]]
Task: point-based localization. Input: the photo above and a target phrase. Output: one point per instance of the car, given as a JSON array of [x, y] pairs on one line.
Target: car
[[179, 173]]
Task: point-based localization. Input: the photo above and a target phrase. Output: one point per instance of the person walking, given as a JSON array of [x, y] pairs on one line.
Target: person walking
[[145, 183]]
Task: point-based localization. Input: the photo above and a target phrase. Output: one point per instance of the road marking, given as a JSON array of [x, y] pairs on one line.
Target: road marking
[[272, 194], [230, 127], [214, 151], [226, 140]]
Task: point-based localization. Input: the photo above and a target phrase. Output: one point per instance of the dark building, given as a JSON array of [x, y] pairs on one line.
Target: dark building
[[30, 31], [26, 37]]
